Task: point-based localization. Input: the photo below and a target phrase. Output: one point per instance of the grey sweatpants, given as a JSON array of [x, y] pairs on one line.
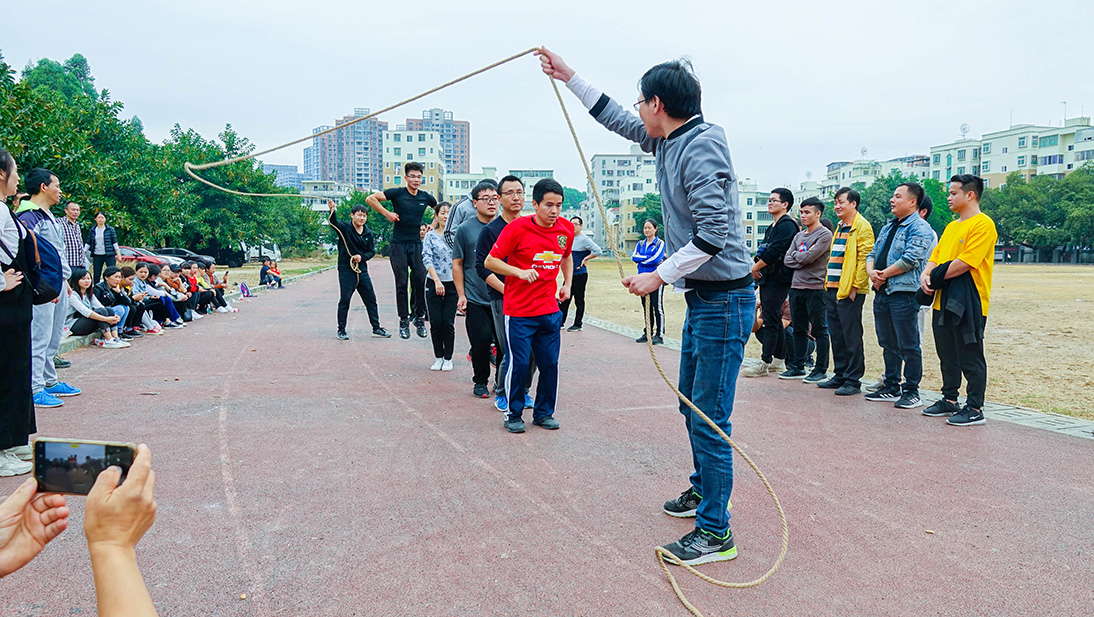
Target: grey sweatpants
[[46, 329], [503, 358]]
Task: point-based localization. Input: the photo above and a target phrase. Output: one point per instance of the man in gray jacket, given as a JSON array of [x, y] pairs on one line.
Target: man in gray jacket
[[808, 258], [707, 258], [48, 322]]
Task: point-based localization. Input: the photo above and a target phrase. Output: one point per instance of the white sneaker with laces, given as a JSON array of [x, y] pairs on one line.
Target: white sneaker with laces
[[221, 309], [198, 316], [115, 344], [778, 365], [447, 365], [437, 364], [10, 465], [24, 453], [757, 370]]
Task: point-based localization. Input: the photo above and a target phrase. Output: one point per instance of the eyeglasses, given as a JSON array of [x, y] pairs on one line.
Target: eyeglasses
[[414, 177], [512, 192], [639, 104], [490, 200]]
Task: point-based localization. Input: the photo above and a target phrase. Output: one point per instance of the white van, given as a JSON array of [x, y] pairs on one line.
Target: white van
[[256, 252]]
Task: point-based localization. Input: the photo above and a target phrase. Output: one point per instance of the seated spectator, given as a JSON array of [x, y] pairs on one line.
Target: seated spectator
[[116, 301], [116, 517], [137, 290], [217, 286], [87, 315], [269, 275], [125, 296], [167, 313], [177, 288], [199, 297]]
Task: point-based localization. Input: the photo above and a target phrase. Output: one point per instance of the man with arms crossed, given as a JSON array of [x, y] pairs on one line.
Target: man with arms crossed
[[408, 205], [894, 266], [959, 276], [708, 258], [474, 296], [808, 258], [530, 252]]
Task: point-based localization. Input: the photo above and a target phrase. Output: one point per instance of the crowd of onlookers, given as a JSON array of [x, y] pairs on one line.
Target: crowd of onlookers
[[90, 295]]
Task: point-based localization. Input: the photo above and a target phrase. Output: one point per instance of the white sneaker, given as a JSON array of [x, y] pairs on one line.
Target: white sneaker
[[115, 344], [24, 453], [778, 365], [221, 309], [757, 370], [437, 364], [10, 465], [447, 365], [122, 344], [99, 342]]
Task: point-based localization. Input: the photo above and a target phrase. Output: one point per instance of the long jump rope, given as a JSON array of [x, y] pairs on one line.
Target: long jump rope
[[661, 554]]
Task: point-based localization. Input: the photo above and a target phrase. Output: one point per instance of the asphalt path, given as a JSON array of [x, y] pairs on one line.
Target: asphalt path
[[322, 477]]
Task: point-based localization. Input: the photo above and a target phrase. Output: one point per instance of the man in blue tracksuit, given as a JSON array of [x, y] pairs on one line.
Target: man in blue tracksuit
[[707, 258], [648, 254]]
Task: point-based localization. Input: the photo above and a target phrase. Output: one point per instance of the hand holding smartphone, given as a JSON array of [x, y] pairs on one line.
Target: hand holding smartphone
[[71, 466]]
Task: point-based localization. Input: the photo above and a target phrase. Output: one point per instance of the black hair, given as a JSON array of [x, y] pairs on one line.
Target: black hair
[[927, 205], [651, 222], [813, 202], [852, 195], [36, 178], [7, 163], [183, 266], [544, 186], [828, 224], [413, 166], [579, 219], [482, 186], [74, 280], [510, 178], [676, 85], [127, 271], [110, 271], [357, 208], [139, 265], [916, 190], [970, 182], [441, 205], [177, 267], [785, 195], [153, 270]]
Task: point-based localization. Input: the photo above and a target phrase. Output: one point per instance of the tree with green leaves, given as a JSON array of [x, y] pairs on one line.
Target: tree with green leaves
[[650, 208]]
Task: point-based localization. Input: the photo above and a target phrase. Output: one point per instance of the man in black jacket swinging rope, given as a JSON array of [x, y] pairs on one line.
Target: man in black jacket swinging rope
[[356, 245]]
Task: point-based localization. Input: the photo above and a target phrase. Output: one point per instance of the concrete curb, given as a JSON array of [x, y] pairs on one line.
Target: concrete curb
[[1049, 421], [75, 342]]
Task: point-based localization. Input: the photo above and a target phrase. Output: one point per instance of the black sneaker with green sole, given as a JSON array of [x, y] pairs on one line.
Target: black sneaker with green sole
[[701, 546]]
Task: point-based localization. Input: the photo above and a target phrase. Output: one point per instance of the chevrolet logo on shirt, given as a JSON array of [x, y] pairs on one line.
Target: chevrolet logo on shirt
[[547, 257]]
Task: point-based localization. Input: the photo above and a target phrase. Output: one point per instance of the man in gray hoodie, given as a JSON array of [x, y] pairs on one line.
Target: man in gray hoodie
[[707, 258], [808, 258]]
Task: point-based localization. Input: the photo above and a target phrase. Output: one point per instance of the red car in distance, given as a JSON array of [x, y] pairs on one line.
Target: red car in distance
[[139, 255]]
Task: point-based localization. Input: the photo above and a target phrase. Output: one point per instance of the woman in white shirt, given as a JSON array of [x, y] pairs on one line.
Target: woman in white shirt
[[87, 315]]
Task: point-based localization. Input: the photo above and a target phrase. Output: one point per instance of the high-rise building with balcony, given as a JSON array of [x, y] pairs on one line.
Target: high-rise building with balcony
[[455, 137], [352, 155]]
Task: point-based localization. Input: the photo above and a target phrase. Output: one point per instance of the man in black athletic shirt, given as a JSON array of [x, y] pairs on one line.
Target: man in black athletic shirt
[[407, 207], [356, 245]]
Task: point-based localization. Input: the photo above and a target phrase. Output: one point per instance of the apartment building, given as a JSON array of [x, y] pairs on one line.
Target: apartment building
[[455, 137], [402, 146], [456, 185]]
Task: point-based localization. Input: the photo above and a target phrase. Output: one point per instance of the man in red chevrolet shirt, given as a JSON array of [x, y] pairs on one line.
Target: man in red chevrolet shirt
[[530, 252]]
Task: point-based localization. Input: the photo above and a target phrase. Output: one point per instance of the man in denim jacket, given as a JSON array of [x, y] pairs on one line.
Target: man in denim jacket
[[894, 266]]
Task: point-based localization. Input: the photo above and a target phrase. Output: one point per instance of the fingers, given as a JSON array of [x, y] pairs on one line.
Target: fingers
[[105, 484], [48, 501], [141, 468]]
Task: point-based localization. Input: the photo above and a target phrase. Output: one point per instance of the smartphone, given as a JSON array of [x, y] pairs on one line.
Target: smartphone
[[72, 465]]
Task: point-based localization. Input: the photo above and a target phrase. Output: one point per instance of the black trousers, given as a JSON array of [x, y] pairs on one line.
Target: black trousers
[[97, 262], [480, 332], [808, 316], [442, 317], [404, 256], [349, 282], [773, 343], [654, 300], [845, 329], [577, 294], [85, 325], [199, 301], [957, 358], [16, 406]]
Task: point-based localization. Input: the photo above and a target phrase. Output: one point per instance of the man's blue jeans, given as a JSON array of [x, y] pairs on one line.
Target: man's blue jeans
[[716, 329], [895, 320]]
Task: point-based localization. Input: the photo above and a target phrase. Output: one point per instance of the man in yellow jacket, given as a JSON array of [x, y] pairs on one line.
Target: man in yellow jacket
[[846, 285]]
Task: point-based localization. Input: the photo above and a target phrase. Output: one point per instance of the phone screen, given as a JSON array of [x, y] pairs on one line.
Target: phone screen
[[72, 466]]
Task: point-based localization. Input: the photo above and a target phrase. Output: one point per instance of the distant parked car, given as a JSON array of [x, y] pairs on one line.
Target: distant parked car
[[140, 255], [257, 252], [170, 259], [187, 254]]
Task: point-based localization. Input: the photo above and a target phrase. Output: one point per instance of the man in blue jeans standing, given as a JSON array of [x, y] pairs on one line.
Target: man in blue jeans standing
[[707, 258]]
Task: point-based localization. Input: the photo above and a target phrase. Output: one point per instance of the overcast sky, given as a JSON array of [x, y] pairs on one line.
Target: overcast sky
[[795, 84]]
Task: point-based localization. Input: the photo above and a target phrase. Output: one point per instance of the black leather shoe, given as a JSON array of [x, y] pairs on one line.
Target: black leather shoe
[[548, 423], [831, 384]]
